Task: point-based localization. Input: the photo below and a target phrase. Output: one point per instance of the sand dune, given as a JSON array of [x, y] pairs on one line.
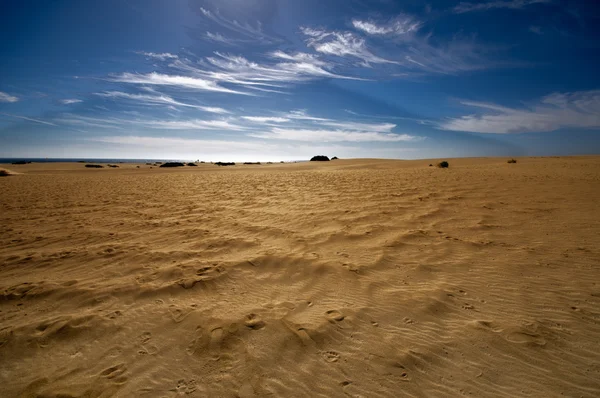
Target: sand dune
[[362, 278]]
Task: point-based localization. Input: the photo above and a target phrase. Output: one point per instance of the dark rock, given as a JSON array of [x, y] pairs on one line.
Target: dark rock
[[172, 164], [319, 158]]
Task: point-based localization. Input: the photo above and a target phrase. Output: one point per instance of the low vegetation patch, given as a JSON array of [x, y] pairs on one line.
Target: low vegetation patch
[[21, 162], [512, 161], [192, 164], [443, 164], [225, 164], [94, 166]]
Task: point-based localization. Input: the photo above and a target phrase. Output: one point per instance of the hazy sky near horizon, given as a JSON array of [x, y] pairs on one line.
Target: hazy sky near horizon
[[287, 79]]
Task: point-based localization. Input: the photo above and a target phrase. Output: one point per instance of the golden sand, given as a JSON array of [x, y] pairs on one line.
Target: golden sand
[[361, 278]]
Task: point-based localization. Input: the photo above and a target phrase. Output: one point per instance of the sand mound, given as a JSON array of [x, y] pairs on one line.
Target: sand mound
[[349, 278], [6, 172]]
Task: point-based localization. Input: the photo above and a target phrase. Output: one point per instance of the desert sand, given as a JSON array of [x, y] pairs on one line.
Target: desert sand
[[361, 278]]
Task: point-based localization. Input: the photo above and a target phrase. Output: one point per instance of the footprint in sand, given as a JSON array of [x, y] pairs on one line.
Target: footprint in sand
[[145, 337], [331, 356], [253, 321], [334, 315], [115, 373]]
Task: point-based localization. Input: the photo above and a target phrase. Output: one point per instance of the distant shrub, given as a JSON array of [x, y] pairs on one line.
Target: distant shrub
[[192, 164], [430, 165], [114, 166], [21, 162], [512, 161], [334, 158], [225, 164], [319, 158], [4, 173], [443, 164], [94, 166], [172, 164], [251, 162]]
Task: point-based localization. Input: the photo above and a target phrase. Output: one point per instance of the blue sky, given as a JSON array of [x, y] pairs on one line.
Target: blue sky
[[286, 79]]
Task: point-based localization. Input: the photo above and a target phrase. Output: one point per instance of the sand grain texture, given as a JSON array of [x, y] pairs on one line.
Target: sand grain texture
[[361, 278]]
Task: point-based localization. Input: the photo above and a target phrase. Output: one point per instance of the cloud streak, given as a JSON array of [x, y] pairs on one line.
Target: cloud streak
[[4, 97], [403, 24], [158, 100], [341, 44], [464, 7], [578, 110], [159, 56], [28, 119], [70, 101], [323, 135], [186, 82]]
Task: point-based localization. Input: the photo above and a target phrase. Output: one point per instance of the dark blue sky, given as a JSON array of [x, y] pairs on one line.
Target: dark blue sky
[[271, 80]]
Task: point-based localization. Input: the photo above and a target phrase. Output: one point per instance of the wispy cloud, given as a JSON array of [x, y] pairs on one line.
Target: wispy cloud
[[323, 135], [217, 37], [158, 100], [28, 119], [243, 30], [145, 123], [194, 124], [482, 6], [536, 29], [159, 56], [199, 145], [356, 126], [266, 119], [410, 53], [555, 111], [70, 101], [400, 25], [186, 82], [4, 97], [342, 44], [302, 115]]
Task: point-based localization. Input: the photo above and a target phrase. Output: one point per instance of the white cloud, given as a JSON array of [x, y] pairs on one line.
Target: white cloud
[[482, 6], [159, 100], [321, 135], [70, 101], [536, 29], [4, 97], [184, 143], [354, 126], [245, 30], [194, 124], [136, 122], [219, 38], [401, 25], [302, 115], [553, 112], [341, 44], [185, 82], [266, 119], [159, 56]]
